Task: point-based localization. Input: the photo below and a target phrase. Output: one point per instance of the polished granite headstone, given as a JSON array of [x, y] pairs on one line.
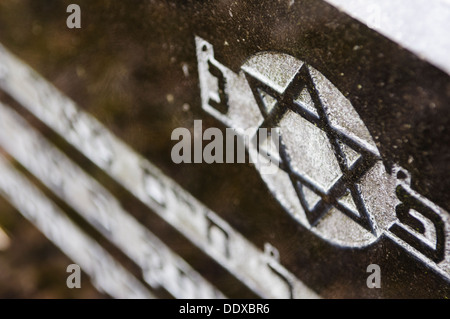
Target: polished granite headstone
[[363, 168]]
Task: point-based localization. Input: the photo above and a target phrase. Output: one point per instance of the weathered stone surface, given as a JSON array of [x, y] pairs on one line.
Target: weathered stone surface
[[135, 67]]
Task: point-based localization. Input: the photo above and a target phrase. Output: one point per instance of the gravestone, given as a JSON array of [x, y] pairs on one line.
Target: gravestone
[[346, 197]]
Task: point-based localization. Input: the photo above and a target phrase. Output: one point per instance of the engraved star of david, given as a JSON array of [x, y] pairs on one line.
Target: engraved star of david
[[347, 183]]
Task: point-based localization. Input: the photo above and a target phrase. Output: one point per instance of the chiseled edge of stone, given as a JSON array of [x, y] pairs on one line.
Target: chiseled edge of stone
[[420, 26], [106, 274], [160, 265]]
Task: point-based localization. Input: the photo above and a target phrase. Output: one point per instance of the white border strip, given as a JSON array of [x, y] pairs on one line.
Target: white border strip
[[160, 265], [259, 271], [106, 274]]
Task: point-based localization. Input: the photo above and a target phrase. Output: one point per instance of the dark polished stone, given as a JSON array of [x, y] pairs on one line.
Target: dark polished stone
[[133, 66]]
